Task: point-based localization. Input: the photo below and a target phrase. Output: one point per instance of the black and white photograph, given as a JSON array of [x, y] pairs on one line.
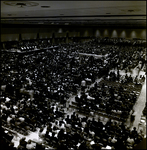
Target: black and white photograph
[[73, 75]]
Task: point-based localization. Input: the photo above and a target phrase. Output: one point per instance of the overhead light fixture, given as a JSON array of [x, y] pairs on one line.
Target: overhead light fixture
[[130, 10], [22, 4], [45, 6]]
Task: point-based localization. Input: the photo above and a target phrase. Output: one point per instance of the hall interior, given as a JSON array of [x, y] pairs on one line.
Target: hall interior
[[73, 74]]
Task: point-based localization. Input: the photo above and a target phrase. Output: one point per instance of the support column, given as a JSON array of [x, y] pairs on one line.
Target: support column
[[53, 38], [37, 36], [20, 37], [67, 38], [3, 45]]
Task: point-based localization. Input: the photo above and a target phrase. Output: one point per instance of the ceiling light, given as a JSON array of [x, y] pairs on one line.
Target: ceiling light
[[21, 4], [130, 10], [45, 6]]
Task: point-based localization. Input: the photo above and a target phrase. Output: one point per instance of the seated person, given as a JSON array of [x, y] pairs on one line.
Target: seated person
[[56, 126], [133, 133], [61, 134], [61, 125], [130, 79], [23, 143], [77, 98], [130, 141], [68, 120], [53, 138]]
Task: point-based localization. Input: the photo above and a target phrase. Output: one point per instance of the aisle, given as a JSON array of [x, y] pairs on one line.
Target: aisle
[[139, 106], [140, 103]]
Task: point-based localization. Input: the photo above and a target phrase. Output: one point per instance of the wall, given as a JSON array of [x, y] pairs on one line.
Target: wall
[[121, 33], [10, 34], [9, 37]]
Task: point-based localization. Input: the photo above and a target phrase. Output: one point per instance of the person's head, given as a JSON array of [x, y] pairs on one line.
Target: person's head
[[29, 142], [56, 122], [134, 128], [53, 134], [41, 129], [60, 123], [22, 139], [98, 119], [67, 116], [115, 123], [128, 128]]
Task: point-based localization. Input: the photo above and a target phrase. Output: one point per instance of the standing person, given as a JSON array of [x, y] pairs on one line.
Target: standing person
[[132, 118], [83, 85]]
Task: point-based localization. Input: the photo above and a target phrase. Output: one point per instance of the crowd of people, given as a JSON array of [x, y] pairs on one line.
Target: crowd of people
[[145, 109], [34, 84], [85, 133], [74, 132], [116, 98]]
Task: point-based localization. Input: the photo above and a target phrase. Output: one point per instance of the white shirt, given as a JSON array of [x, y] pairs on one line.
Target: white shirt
[[8, 119], [130, 141], [7, 99], [83, 83], [114, 140]]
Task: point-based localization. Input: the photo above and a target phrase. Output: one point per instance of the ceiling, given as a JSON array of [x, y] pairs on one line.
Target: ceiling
[[128, 13]]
